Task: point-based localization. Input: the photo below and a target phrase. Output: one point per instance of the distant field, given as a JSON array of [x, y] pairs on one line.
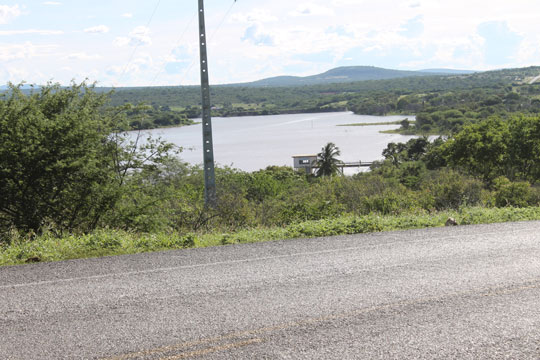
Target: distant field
[[378, 123]]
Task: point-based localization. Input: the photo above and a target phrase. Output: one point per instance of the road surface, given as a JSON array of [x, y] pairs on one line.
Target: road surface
[[470, 292]]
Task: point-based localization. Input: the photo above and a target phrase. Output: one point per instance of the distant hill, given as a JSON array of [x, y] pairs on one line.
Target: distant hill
[[344, 74], [23, 87], [348, 74]]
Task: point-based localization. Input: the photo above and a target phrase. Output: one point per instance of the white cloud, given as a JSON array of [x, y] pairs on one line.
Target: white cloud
[[137, 37], [30, 31], [100, 29], [309, 9], [8, 13], [84, 56], [268, 38], [257, 35], [27, 50], [144, 60], [14, 52], [259, 16], [13, 74], [529, 52], [183, 53], [121, 41], [347, 2], [140, 63]]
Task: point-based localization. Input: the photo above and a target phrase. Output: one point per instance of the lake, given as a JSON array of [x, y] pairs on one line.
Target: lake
[[253, 142]]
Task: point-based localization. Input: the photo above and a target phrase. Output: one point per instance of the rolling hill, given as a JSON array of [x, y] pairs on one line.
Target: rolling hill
[[347, 74]]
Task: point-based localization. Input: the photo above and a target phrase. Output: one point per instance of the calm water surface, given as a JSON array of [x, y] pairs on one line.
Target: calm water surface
[[254, 142]]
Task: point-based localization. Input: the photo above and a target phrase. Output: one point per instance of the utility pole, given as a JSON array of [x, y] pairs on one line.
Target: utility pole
[[208, 146]]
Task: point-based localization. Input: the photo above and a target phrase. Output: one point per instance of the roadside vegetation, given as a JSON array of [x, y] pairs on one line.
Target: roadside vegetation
[[50, 246], [72, 184]]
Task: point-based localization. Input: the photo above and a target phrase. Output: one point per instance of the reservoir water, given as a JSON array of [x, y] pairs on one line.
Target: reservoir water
[[253, 142]]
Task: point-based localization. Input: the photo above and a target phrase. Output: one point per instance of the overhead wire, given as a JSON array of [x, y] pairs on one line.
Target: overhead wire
[[222, 20], [138, 44], [183, 77], [179, 41]]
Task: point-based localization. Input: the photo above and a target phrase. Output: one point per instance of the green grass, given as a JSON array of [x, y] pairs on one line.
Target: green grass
[[335, 104], [377, 123], [49, 247], [412, 131], [247, 106]]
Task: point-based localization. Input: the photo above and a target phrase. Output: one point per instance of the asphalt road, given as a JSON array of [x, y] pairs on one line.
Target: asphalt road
[[470, 292]]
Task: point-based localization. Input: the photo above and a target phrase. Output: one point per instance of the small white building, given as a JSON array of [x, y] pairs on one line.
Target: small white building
[[306, 162]]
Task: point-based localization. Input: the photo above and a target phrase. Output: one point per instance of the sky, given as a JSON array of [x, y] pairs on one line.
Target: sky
[[154, 42]]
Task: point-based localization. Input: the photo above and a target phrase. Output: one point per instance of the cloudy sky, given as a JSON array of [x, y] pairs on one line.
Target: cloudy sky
[[154, 42]]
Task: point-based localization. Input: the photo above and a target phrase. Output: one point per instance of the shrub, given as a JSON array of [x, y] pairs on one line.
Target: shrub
[[451, 190], [63, 159], [516, 194]]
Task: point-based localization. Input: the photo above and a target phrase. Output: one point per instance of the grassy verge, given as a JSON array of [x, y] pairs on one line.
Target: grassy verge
[[48, 247]]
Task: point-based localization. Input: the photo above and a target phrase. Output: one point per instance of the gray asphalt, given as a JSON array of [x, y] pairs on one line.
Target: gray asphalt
[[470, 292]]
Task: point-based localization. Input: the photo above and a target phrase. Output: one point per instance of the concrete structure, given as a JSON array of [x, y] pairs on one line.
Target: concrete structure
[[309, 162], [208, 145], [306, 162]]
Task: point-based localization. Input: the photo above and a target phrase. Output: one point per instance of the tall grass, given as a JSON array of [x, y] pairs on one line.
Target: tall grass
[[106, 242]]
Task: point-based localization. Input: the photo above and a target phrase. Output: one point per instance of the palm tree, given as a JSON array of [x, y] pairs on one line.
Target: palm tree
[[327, 161]]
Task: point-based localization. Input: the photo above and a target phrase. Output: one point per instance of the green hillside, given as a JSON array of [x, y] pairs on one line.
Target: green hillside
[[339, 75], [405, 95]]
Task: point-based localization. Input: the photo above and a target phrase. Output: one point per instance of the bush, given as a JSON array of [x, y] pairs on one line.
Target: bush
[[516, 194], [63, 159], [452, 190], [330, 227]]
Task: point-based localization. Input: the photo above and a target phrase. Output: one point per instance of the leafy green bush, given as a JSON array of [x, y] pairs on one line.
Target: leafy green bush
[[63, 159], [452, 190], [516, 194], [330, 227]]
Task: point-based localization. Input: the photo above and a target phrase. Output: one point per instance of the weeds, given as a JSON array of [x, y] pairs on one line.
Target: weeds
[[106, 242]]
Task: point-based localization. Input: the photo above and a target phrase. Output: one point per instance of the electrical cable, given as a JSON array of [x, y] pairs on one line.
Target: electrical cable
[[183, 77], [138, 44], [177, 42], [222, 20]]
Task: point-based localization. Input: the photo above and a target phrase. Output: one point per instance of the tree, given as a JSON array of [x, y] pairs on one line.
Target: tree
[[327, 160], [62, 158], [481, 149], [524, 148], [405, 124], [394, 152], [416, 148]]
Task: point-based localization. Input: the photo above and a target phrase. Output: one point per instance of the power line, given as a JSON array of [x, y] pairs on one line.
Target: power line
[[222, 20], [178, 42], [183, 77], [138, 44]]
